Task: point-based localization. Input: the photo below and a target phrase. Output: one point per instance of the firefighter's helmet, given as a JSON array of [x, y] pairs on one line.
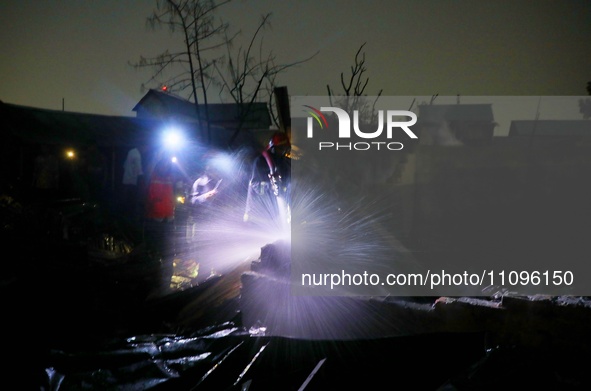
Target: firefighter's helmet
[[279, 139]]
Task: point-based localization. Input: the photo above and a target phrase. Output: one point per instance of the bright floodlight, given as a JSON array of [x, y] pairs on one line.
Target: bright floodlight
[[173, 138]]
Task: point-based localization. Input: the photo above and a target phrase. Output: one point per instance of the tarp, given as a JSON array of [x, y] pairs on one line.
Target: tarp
[[70, 323], [231, 358]]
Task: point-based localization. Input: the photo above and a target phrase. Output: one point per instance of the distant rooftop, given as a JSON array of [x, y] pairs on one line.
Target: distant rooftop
[[157, 104], [37, 125], [544, 128], [455, 112]]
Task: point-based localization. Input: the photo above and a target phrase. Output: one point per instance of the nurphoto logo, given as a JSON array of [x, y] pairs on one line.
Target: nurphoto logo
[[392, 119]]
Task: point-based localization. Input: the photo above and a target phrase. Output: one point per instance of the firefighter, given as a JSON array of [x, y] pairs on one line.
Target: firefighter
[[270, 178], [202, 199], [159, 224], [204, 187]]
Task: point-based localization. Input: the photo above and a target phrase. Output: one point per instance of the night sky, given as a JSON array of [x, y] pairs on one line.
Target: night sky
[[79, 51]]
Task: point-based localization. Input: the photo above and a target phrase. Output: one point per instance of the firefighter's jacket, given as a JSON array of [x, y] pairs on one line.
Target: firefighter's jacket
[[160, 199]]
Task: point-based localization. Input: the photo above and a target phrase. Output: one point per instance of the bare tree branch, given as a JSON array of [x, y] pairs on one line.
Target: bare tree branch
[[201, 33], [248, 78], [354, 89], [242, 75]]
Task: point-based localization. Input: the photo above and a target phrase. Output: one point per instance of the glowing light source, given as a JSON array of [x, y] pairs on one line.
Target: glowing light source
[[173, 138]]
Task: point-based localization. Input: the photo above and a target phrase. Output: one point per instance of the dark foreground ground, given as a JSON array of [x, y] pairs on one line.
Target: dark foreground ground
[[75, 319]]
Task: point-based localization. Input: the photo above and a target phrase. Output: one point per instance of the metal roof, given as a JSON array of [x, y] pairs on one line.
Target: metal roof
[[257, 113], [34, 125], [41, 126]]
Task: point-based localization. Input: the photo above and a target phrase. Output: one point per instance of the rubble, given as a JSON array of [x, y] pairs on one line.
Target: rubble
[[246, 330]]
